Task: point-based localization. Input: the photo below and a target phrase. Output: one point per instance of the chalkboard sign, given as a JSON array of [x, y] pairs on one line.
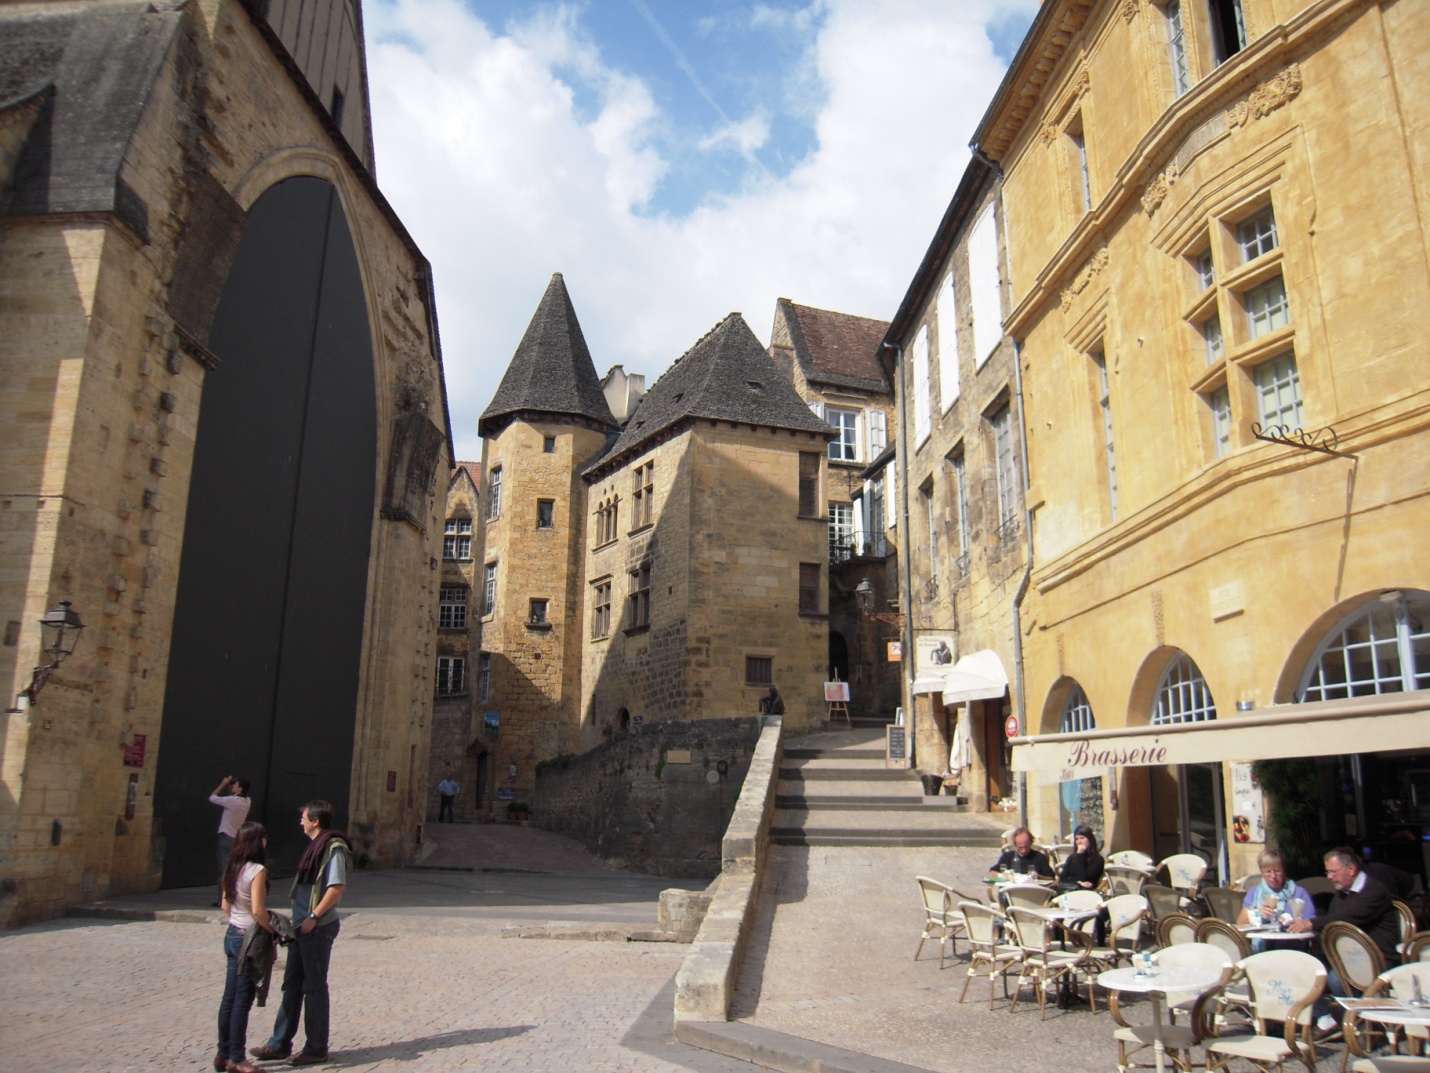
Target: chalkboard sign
[[896, 746]]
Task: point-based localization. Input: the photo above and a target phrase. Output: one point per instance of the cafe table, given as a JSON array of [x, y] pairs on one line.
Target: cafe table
[[1271, 934], [1156, 985]]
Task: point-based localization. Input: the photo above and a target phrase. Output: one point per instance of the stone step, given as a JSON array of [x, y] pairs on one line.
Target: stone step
[[829, 770], [903, 821], [797, 836], [866, 802], [848, 752]]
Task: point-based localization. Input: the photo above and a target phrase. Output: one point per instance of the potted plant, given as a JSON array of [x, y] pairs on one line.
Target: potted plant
[[518, 812]]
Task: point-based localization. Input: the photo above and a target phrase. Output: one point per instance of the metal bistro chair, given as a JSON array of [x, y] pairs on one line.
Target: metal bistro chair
[[1177, 1039], [1399, 983], [987, 948], [1352, 955], [1042, 963], [1223, 902], [1177, 929], [942, 920], [1284, 986]]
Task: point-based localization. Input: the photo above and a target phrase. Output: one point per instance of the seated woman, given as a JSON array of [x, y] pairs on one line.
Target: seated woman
[[1083, 868], [1275, 896]]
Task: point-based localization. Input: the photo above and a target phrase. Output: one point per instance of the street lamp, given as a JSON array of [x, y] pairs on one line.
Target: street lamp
[[864, 596], [60, 629]]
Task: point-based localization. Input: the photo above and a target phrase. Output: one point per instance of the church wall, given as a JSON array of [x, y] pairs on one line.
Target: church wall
[[105, 397]]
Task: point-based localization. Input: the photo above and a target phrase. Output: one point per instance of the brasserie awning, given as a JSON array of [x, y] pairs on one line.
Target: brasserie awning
[[1393, 721], [977, 676]]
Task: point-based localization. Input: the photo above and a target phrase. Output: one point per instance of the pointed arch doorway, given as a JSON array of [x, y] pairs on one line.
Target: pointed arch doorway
[[268, 624]]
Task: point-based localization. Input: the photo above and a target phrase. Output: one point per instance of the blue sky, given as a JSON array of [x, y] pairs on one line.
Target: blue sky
[[675, 160]]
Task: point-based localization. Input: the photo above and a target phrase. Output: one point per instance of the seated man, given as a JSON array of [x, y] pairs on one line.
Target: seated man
[[1022, 859], [1359, 900]]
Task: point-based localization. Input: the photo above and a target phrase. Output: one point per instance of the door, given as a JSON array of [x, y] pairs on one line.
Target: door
[[1204, 818]]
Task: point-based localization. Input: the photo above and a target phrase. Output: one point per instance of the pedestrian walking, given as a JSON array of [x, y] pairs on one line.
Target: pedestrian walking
[[447, 791]]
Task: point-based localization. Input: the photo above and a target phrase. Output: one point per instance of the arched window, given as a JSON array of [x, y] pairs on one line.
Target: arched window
[[1183, 695], [1381, 647], [1077, 713]]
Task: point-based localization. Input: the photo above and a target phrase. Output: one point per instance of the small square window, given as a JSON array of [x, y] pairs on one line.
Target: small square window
[[545, 513], [759, 670], [1216, 347], [1257, 236], [1278, 392], [1267, 308], [537, 616], [548, 445]]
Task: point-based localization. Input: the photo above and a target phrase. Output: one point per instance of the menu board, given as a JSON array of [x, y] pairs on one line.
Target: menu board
[[896, 746]]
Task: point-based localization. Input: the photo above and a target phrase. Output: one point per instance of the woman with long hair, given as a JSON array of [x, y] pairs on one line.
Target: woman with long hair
[[245, 891], [1083, 868]]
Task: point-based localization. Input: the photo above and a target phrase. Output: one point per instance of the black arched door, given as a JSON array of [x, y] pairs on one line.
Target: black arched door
[[268, 628]]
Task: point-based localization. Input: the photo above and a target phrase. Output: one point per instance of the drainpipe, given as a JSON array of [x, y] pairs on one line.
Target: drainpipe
[[901, 468], [1026, 578]]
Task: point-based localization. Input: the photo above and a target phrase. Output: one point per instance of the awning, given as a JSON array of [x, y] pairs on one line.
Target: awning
[[1392, 721], [977, 676]]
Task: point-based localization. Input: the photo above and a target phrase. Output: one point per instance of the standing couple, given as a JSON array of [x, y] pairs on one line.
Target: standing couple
[[317, 888]]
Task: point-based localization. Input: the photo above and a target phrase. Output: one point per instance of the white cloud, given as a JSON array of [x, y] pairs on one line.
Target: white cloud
[[483, 151], [744, 136]]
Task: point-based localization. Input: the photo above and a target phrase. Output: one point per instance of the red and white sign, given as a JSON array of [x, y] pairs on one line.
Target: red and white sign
[[1010, 726]]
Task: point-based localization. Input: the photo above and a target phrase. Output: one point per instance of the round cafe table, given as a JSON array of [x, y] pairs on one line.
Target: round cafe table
[[1264, 934], [1410, 1015], [1156, 985]]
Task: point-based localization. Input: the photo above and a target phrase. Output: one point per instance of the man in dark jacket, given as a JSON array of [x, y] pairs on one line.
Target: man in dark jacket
[[1359, 900]]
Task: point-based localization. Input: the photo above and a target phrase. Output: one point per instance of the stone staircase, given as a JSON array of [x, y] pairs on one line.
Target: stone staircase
[[834, 790]]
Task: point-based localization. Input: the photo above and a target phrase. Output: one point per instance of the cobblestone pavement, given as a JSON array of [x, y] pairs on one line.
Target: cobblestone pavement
[[421, 977], [832, 961]]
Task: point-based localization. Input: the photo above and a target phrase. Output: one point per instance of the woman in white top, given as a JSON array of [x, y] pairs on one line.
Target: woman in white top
[[245, 890]]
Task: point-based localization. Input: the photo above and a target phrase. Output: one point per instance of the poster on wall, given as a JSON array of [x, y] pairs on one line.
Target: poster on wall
[[1248, 820], [934, 653]]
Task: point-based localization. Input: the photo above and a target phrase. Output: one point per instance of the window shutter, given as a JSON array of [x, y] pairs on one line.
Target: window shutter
[[878, 433]]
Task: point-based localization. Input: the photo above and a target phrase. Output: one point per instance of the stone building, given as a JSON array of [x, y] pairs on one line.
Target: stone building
[[961, 494], [667, 567], [220, 372], [833, 360], [458, 742], [1216, 276]]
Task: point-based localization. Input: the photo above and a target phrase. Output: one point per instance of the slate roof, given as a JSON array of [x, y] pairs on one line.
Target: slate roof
[[726, 376], [836, 348], [552, 371], [94, 69]]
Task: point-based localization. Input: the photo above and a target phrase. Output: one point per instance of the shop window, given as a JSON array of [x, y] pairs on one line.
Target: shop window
[[1381, 647]]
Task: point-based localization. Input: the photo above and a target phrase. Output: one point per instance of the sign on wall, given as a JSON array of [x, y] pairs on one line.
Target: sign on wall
[[934, 653], [1248, 819]]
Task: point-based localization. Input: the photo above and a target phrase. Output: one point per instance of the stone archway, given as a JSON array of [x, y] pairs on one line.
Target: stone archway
[[272, 588]]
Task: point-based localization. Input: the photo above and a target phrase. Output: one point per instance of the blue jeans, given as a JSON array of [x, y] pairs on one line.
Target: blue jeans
[[238, 992], [305, 989]]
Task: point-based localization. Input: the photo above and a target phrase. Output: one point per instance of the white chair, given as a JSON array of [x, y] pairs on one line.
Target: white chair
[[1041, 963], [987, 948], [942, 920], [1200, 1008], [1059, 853], [1075, 900], [1132, 858], [1026, 895], [1125, 916], [1399, 983], [1284, 986], [1185, 871]]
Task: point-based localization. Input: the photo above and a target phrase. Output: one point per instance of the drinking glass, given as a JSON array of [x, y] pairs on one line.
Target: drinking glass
[[1298, 908], [1268, 907]]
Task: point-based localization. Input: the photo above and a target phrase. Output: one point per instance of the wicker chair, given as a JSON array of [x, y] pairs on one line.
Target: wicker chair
[[1025, 895], [1223, 902], [1133, 857], [1162, 900], [1407, 925], [1284, 986], [1184, 871], [1178, 1040], [1124, 879], [1362, 1037], [1418, 948], [1352, 955], [1234, 998], [1126, 915], [1177, 929], [987, 948], [1079, 899], [942, 920], [1059, 853], [1041, 963]]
